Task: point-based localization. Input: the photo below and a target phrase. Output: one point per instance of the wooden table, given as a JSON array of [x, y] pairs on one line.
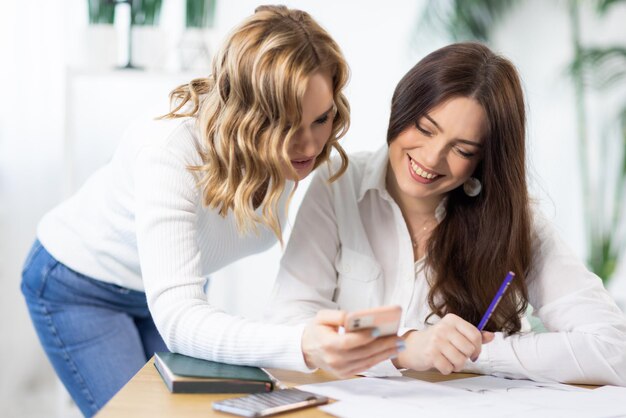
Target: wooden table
[[145, 395]]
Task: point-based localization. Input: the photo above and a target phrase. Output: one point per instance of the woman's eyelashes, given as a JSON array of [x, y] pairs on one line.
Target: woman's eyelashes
[[465, 154], [322, 120], [423, 131], [461, 151], [319, 121]]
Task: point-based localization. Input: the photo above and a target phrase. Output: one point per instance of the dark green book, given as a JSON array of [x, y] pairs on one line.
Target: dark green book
[[183, 374]]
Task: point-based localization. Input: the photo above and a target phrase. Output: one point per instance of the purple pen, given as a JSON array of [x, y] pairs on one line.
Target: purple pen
[[494, 303]]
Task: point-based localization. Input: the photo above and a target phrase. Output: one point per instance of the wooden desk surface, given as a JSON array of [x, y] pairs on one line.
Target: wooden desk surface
[[147, 396]]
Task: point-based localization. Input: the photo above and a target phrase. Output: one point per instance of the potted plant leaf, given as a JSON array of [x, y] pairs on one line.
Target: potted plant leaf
[[101, 12], [200, 13], [145, 12]]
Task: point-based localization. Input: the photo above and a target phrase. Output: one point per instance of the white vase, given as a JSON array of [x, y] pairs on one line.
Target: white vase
[[149, 47], [94, 49]]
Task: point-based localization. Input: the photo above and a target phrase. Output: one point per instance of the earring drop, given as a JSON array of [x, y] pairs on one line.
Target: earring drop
[[472, 187]]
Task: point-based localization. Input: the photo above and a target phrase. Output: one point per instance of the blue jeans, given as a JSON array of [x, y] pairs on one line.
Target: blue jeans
[[97, 335]]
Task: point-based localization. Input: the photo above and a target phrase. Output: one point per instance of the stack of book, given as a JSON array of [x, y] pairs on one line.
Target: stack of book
[[183, 374]]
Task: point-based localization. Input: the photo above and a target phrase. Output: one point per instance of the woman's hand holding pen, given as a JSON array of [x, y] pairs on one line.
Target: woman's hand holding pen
[[445, 346], [346, 354]]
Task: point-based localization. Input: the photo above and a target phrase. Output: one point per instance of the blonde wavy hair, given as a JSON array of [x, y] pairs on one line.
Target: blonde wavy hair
[[250, 107]]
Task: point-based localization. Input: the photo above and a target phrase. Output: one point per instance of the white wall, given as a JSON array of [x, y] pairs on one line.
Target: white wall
[[31, 117], [39, 39]]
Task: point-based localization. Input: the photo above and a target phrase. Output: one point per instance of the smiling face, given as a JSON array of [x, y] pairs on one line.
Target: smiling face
[[437, 154], [318, 111]]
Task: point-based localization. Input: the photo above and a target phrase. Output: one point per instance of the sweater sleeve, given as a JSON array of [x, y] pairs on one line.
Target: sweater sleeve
[[585, 340], [167, 207]]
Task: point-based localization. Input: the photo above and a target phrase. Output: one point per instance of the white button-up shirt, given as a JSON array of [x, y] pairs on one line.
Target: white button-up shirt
[[350, 249]]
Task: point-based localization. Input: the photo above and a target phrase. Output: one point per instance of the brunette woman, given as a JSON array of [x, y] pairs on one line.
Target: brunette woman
[[433, 222]]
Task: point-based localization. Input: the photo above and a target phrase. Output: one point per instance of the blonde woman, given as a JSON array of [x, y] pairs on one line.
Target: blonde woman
[[184, 196]]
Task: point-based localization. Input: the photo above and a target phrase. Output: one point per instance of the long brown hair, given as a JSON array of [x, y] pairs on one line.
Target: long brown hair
[[481, 238], [250, 107]]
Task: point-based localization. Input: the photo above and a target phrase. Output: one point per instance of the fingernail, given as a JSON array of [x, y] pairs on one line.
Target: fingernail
[[474, 359], [375, 333], [391, 357], [400, 345]]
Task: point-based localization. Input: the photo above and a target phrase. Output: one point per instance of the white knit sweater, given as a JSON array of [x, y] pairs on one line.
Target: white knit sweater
[[139, 222]]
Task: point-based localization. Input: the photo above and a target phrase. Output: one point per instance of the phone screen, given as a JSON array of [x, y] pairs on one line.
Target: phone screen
[[265, 404]]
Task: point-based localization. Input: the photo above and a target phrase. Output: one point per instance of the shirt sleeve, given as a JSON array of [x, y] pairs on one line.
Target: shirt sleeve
[[585, 340], [307, 278], [167, 207]]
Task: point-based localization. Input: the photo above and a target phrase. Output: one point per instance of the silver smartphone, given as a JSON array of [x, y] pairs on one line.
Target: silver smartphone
[[264, 404]]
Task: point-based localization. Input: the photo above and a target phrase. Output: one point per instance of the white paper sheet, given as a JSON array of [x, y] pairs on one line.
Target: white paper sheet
[[546, 399], [486, 384], [382, 369], [373, 408], [393, 388], [474, 397]]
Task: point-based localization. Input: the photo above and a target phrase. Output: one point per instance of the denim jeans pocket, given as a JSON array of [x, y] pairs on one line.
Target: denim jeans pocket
[[36, 269], [35, 249]]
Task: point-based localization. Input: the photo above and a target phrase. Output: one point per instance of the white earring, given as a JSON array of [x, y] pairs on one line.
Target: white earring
[[472, 187]]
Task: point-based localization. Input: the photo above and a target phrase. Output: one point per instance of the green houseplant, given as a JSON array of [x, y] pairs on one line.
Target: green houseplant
[[145, 12], [101, 12], [200, 13], [602, 67]]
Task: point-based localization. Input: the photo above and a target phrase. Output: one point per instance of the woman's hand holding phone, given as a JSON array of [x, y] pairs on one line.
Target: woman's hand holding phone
[[345, 354], [445, 346]]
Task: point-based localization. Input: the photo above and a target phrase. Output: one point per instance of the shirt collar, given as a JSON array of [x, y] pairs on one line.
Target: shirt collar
[[375, 173]]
